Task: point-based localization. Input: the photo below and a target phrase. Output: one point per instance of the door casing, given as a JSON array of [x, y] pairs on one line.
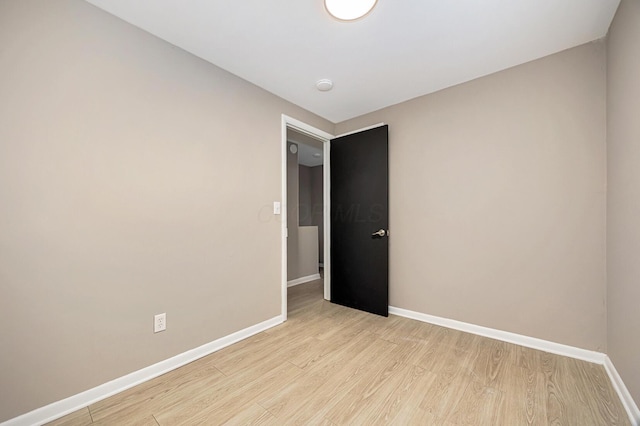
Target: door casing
[[292, 123]]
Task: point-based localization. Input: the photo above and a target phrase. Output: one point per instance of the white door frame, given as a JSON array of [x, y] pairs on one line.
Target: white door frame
[[292, 123]]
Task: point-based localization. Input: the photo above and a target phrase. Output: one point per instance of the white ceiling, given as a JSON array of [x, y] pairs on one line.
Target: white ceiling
[[401, 50]]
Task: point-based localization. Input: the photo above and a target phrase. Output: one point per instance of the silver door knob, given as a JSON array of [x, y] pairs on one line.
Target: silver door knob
[[380, 233]]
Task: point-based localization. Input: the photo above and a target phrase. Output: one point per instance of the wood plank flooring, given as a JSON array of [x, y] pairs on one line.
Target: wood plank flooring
[[330, 365]]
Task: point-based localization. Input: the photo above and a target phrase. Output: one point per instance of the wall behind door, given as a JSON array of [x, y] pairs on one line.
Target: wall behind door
[[311, 202], [302, 240], [293, 200]]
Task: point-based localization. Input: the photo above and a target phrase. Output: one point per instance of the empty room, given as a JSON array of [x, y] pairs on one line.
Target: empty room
[[319, 212]]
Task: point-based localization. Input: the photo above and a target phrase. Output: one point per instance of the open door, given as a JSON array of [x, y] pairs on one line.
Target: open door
[[360, 221]]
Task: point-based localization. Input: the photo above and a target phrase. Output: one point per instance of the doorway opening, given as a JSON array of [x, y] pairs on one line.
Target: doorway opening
[[305, 212]]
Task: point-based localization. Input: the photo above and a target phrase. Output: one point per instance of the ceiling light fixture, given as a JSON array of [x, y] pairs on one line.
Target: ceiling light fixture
[[324, 85], [349, 10]]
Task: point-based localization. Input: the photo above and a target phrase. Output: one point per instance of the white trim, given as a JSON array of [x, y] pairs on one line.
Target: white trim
[[284, 232], [624, 394], [535, 343], [326, 197], [306, 129], [61, 408], [325, 138], [505, 336], [360, 130], [303, 280]]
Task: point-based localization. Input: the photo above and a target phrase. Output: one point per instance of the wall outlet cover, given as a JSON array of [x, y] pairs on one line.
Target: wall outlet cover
[[159, 322]]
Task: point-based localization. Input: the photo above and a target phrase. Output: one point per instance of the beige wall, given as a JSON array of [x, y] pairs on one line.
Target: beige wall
[[302, 240], [497, 199], [122, 197], [623, 202], [304, 202], [311, 203], [317, 206], [307, 251], [293, 196]]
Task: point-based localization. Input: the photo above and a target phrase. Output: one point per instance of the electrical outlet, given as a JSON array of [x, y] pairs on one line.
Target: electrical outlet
[[160, 322]]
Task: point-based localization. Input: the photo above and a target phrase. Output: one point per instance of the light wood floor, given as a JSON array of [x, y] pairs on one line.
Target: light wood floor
[[330, 365]]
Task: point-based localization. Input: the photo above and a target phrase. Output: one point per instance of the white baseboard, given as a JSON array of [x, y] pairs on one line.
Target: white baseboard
[[303, 280], [623, 392], [61, 408], [505, 336], [535, 343]]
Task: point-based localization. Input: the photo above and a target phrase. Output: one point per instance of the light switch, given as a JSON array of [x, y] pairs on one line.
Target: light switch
[[276, 207]]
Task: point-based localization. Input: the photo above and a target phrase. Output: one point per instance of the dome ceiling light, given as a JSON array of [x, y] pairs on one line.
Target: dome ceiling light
[[349, 10], [324, 85]]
